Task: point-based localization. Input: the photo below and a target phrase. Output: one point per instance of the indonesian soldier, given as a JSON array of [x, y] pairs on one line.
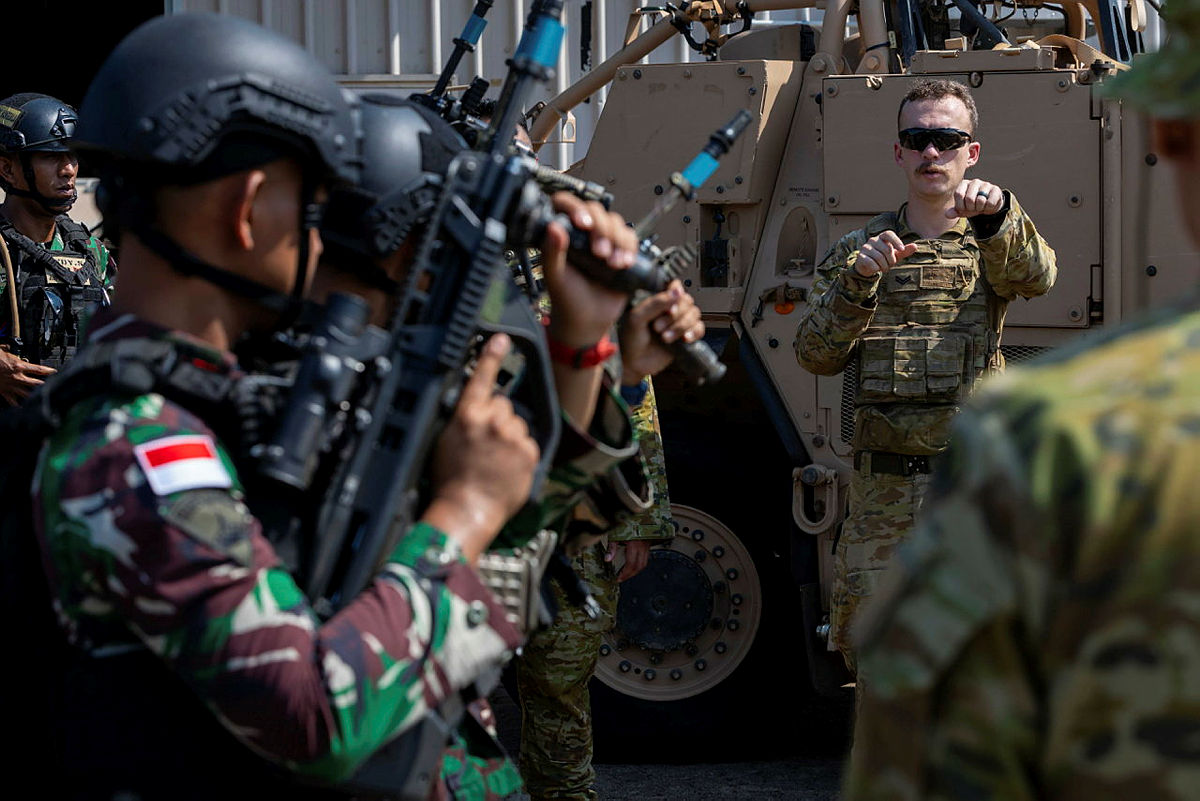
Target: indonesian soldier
[[192, 653], [53, 272], [368, 232], [1039, 636], [915, 301]]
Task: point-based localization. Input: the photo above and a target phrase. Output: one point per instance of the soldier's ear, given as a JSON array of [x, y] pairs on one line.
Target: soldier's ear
[[246, 188], [8, 169]]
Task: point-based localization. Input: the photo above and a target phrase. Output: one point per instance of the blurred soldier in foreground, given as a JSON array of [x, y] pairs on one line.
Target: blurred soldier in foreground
[[1039, 636], [192, 652], [916, 300], [53, 272]]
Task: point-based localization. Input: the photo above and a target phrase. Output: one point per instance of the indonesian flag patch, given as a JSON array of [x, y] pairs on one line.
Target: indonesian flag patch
[[174, 464]]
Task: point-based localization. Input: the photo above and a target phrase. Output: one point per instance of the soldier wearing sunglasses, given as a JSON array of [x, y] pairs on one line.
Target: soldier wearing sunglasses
[[915, 302]]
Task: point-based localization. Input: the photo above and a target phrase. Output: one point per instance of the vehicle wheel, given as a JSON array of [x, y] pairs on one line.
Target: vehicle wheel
[[688, 620], [683, 675]]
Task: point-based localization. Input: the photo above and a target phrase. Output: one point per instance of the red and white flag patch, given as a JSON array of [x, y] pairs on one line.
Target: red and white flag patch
[[184, 462]]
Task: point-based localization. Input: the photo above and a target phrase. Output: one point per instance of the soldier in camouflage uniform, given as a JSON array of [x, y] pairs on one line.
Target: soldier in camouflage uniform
[[1039, 636], [366, 232], [193, 654], [53, 272], [558, 662], [916, 300]]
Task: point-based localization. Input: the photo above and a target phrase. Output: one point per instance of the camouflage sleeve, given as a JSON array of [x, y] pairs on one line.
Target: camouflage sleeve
[[655, 522], [143, 538], [1016, 260], [947, 708], [106, 266], [583, 459], [1034, 638], [840, 306]]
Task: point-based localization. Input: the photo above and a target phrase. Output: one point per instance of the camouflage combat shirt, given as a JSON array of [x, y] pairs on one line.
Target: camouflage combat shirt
[[147, 542], [55, 245], [1039, 637], [1014, 261]]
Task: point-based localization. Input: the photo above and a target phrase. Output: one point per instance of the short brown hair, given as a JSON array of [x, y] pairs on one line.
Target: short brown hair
[[937, 90]]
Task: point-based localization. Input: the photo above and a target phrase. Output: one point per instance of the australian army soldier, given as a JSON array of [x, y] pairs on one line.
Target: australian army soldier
[[53, 272], [916, 301], [1038, 637], [191, 653]]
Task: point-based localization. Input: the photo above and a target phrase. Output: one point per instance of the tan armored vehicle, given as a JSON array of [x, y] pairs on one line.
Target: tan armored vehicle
[[731, 616]]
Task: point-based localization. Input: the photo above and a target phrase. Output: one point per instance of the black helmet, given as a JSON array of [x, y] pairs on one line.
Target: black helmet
[[188, 98], [36, 123], [406, 151], [179, 85]]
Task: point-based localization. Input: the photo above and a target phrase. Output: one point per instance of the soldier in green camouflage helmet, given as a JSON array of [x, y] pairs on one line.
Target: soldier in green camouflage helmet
[[915, 301], [1039, 636]]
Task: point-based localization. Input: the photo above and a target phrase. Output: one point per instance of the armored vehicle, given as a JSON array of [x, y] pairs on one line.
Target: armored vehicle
[[730, 618]]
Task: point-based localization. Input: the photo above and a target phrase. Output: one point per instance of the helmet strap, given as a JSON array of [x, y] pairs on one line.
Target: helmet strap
[[52, 206]]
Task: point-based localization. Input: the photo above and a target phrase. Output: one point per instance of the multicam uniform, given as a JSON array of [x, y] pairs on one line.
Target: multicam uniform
[[1039, 636], [150, 549], [559, 661], [58, 286], [920, 337]]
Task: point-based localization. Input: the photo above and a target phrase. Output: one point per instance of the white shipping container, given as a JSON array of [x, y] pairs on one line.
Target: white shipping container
[[403, 44]]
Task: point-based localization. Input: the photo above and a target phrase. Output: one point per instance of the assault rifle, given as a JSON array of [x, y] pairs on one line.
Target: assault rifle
[[372, 402]]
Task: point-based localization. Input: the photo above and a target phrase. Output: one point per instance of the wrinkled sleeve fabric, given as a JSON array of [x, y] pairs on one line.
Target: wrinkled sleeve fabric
[[840, 306], [1017, 261], [191, 576], [584, 460]]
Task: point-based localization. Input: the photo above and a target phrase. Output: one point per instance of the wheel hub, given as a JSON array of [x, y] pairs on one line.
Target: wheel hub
[[686, 621], [667, 604]]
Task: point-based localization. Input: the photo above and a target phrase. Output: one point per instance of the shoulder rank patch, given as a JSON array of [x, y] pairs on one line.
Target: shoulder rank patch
[[216, 519], [174, 464]]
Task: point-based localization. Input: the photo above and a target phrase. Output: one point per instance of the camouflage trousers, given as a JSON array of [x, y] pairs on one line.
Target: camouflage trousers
[[881, 511], [558, 662], [552, 679]]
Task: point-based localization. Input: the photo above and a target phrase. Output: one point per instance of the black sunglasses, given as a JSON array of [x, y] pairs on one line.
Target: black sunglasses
[[942, 138]]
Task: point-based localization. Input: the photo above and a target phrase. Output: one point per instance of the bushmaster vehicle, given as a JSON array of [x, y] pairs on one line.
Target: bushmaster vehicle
[[729, 619]]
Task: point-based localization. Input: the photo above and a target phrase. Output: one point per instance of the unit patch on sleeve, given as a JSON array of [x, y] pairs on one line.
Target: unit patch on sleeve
[[184, 462]]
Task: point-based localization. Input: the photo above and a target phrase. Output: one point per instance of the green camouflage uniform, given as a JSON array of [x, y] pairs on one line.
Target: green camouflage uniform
[[1039, 636], [557, 663], [920, 336], [82, 259], [150, 548]]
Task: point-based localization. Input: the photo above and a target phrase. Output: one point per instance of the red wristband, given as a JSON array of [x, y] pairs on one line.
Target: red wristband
[[579, 358]]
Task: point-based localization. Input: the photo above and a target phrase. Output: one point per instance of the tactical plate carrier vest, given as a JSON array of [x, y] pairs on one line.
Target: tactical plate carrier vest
[[56, 291], [934, 334]]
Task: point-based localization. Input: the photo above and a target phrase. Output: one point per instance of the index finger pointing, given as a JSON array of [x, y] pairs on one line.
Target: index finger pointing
[[482, 384]]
